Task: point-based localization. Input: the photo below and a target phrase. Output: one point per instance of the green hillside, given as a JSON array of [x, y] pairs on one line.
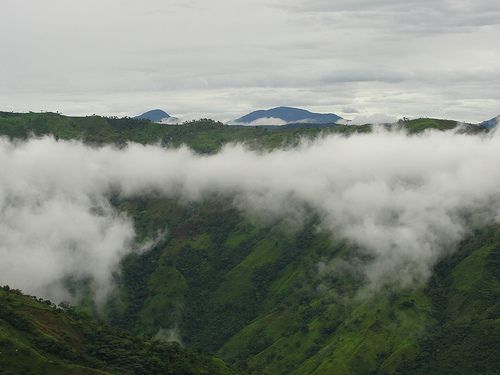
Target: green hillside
[[266, 295], [36, 337], [204, 136], [253, 293]]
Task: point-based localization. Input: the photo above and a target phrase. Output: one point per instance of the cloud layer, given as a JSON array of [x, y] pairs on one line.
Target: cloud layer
[[406, 200]]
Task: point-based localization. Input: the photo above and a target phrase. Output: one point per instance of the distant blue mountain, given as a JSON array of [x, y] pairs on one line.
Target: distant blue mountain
[[156, 115], [491, 123], [289, 115]]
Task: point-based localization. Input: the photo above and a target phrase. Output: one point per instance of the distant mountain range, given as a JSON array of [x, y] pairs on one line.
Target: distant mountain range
[[491, 123], [157, 115], [277, 116], [286, 115]]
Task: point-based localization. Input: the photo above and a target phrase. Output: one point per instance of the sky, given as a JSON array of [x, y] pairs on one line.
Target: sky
[[222, 60]]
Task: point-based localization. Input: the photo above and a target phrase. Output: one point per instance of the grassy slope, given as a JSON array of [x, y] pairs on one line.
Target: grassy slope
[[252, 292], [466, 296]]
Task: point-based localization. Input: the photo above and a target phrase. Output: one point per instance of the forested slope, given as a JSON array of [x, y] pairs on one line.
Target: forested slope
[[36, 337], [204, 136], [278, 300]]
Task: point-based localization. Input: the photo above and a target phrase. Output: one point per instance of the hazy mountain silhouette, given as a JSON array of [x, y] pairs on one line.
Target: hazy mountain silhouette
[[155, 115], [289, 115], [491, 123]]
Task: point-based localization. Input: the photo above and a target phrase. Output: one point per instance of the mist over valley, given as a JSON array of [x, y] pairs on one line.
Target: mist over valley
[[242, 241]]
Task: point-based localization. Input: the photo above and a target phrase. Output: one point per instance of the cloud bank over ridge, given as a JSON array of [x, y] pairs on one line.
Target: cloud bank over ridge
[[406, 200]]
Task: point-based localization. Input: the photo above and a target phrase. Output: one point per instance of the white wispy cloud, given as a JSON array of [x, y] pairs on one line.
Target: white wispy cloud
[[405, 200]]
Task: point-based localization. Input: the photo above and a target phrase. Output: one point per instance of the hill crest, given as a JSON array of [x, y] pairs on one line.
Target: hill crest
[[155, 115], [492, 123], [287, 115]]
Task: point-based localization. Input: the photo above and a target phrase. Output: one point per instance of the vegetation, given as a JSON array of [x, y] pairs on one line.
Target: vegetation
[[252, 293], [421, 124], [203, 136], [261, 294], [36, 337]]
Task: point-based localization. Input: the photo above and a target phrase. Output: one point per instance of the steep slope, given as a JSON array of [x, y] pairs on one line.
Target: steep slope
[[465, 291], [38, 338], [279, 301]]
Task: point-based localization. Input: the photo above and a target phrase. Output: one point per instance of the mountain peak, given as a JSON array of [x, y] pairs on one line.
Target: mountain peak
[[155, 115], [287, 115], [491, 123]]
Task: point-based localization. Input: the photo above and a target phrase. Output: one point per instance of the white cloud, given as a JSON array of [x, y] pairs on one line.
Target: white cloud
[[349, 110], [262, 121], [406, 200], [372, 119], [55, 223]]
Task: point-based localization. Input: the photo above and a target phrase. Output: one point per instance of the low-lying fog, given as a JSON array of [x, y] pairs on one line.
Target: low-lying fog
[[406, 199]]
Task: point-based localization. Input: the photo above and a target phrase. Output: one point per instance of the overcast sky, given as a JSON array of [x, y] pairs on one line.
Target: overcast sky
[[222, 59]]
